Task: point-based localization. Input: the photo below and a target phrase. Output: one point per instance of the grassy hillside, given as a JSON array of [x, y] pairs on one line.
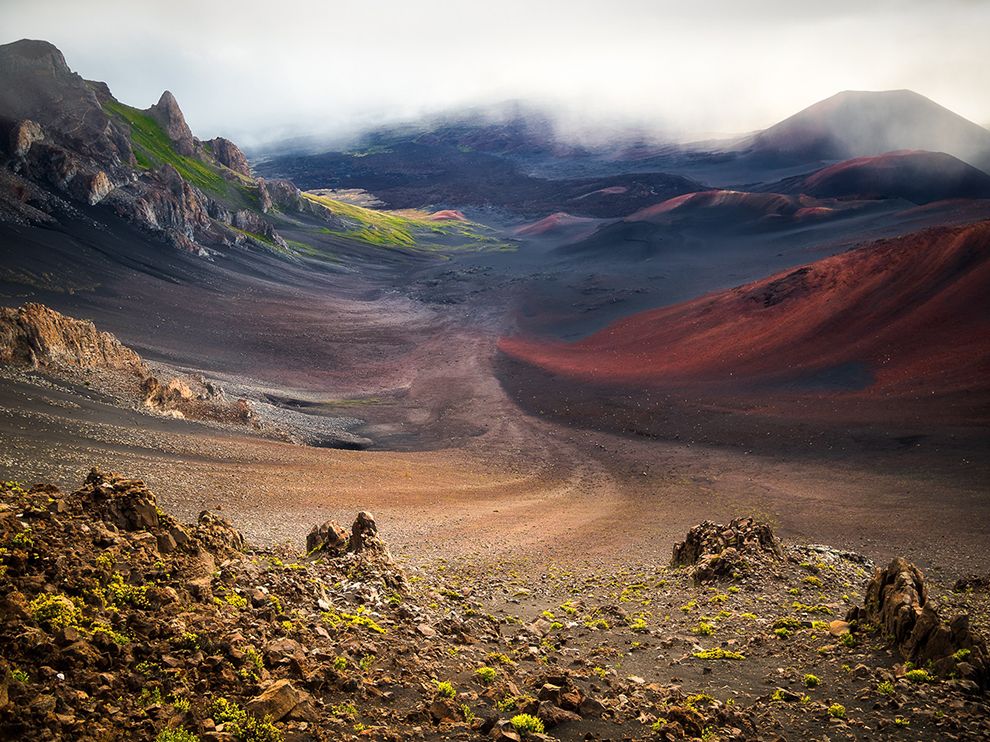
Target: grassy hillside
[[152, 148], [407, 229]]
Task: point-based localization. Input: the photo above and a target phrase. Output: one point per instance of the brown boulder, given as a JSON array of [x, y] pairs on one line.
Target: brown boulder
[[895, 599], [277, 700], [552, 715], [716, 552], [330, 538], [745, 535]]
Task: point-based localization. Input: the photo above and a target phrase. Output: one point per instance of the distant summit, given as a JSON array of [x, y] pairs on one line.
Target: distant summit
[[862, 123]]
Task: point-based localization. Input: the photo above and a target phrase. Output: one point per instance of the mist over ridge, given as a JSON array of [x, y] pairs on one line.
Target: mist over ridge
[[672, 71]]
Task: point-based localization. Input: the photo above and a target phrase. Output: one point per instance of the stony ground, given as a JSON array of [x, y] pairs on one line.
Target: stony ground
[[118, 623]]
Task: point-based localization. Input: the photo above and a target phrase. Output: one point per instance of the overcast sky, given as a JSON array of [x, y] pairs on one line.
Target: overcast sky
[[253, 70]]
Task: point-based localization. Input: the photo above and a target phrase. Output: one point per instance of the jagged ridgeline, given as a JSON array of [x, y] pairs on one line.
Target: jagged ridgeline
[[68, 144]]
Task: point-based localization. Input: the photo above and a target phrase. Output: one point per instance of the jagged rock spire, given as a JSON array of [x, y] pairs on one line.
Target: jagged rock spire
[[167, 113]]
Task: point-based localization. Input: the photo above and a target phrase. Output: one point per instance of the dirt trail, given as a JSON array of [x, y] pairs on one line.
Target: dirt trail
[[498, 482]]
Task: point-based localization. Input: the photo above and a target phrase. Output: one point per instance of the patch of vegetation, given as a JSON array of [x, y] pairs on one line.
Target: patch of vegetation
[[837, 711], [241, 725], [486, 674], [119, 593], [54, 611], [346, 710], [527, 724], [176, 735], [885, 688], [153, 148], [718, 653], [101, 627], [445, 689], [806, 608], [405, 229], [356, 620], [812, 681], [919, 676], [511, 703], [500, 658], [150, 697], [703, 629]]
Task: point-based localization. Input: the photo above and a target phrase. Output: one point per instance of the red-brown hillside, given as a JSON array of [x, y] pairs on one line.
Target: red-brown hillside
[[921, 177], [912, 313]]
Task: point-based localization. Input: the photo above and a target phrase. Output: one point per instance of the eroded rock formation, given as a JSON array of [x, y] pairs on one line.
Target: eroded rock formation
[[897, 602], [714, 551], [39, 337]]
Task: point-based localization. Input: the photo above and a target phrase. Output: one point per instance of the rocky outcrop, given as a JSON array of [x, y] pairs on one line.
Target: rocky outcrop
[[35, 336], [329, 538], [22, 135], [714, 551], [39, 87], [164, 203], [39, 337], [255, 224], [897, 602], [126, 504], [229, 155], [167, 113], [70, 137], [217, 535], [282, 195], [364, 533]]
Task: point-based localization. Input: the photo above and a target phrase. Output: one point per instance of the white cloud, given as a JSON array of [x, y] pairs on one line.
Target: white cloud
[[249, 69]]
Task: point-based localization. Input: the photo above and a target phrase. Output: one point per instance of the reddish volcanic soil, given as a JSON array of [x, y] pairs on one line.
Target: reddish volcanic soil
[[907, 317], [722, 203], [921, 177]]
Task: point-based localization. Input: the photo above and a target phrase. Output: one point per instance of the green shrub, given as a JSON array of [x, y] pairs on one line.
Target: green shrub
[[703, 629], [55, 611], [176, 735], [243, 726], [526, 724], [445, 689], [812, 681], [486, 674], [718, 654], [837, 711], [919, 676]]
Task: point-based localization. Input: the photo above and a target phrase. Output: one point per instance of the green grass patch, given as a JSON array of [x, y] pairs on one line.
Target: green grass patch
[[153, 148], [405, 229]]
